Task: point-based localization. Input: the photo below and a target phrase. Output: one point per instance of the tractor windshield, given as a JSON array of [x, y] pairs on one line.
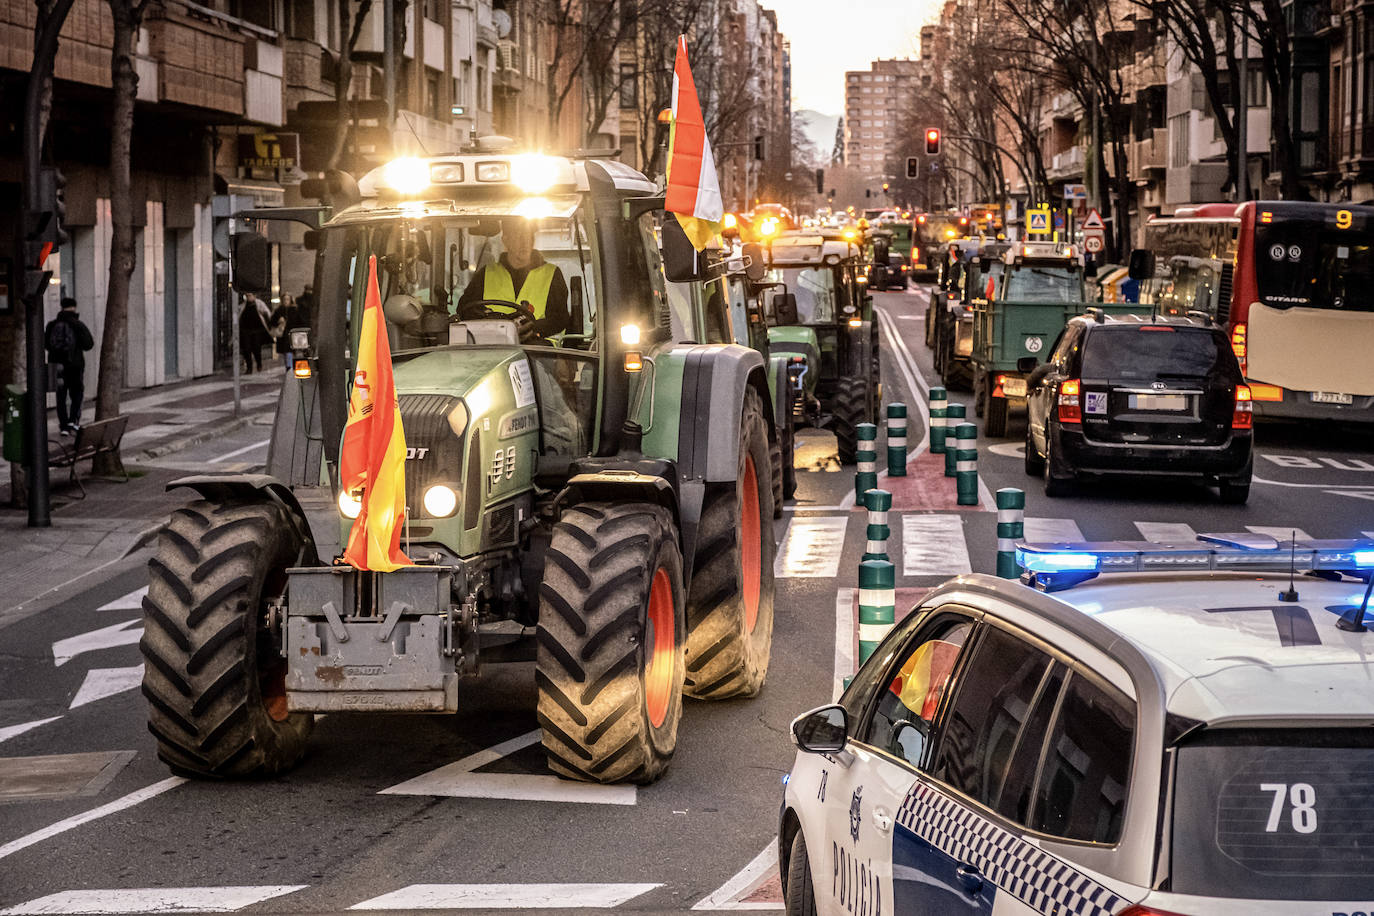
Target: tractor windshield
[[814, 288], [500, 277]]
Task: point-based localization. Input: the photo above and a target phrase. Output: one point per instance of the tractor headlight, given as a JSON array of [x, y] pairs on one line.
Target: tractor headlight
[[407, 175], [440, 501], [349, 504], [533, 173]]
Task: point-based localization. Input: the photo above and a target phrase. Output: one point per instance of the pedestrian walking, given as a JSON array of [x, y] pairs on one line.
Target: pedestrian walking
[[67, 340], [284, 318], [254, 321]]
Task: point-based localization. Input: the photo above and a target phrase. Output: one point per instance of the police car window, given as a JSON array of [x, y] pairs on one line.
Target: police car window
[[1014, 799], [1284, 814], [914, 688], [1081, 793], [992, 703]]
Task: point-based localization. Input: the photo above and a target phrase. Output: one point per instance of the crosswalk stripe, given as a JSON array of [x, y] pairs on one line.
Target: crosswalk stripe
[[505, 896], [1279, 532], [1166, 532], [130, 602], [934, 545], [154, 900], [106, 682], [1052, 530], [811, 547]]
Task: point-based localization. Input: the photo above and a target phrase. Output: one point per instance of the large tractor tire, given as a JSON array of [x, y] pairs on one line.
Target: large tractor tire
[[213, 676], [782, 455], [609, 662], [851, 409], [730, 601]]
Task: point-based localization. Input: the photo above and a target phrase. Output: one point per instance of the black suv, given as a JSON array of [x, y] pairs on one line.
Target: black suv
[[1135, 395]]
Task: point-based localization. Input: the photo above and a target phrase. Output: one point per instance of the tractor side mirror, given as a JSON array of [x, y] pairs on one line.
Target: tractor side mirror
[[785, 308], [1142, 265], [252, 263], [682, 263], [756, 266]]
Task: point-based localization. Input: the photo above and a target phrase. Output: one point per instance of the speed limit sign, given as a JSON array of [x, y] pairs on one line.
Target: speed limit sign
[[1093, 244]]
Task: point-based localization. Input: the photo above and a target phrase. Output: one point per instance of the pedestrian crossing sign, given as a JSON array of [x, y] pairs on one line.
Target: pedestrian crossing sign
[[1038, 219]]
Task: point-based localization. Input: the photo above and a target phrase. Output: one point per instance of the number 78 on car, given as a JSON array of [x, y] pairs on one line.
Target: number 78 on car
[[1133, 729]]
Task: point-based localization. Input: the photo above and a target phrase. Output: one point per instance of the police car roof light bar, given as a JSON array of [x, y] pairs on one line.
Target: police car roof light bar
[[1053, 567]]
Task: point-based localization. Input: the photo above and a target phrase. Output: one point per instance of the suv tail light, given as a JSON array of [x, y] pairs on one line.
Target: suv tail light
[[1244, 417], [1238, 344], [1069, 411]]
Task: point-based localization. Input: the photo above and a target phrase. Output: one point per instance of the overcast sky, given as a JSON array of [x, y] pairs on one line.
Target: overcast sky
[[831, 36]]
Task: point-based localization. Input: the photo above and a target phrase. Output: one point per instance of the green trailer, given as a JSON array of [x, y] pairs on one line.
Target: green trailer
[[1041, 288]]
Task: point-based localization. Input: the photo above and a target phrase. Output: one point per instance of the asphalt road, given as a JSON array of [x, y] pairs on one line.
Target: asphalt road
[[97, 824]]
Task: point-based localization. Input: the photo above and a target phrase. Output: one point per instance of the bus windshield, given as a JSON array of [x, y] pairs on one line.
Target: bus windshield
[[1316, 266], [1031, 283]]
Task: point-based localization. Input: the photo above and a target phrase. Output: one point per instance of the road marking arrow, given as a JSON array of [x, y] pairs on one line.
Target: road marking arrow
[[106, 682], [10, 731], [130, 602], [64, 650]]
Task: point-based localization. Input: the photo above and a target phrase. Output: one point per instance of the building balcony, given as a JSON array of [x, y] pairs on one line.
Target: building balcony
[[1151, 154], [1068, 164], [1147, 72]]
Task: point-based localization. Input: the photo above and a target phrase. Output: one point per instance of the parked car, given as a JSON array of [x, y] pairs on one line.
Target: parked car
[[1132, 395]]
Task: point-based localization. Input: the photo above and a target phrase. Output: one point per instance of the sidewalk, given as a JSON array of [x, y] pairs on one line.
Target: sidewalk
[[42, 564]]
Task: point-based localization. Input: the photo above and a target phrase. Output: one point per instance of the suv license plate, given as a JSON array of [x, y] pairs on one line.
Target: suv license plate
[[1014, 387], [1332, 397], [1159, 402]]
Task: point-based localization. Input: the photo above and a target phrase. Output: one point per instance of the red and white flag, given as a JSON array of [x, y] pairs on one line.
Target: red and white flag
[[693, 189]]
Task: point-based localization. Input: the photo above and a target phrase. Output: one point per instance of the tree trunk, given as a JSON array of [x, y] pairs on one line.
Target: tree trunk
[[124, 78]]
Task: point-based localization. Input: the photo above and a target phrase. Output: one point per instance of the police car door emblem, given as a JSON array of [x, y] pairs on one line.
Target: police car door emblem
[[1157, 386], [854, 813]]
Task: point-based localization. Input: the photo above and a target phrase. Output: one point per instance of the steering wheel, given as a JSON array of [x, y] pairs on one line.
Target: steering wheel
[[478, 309]]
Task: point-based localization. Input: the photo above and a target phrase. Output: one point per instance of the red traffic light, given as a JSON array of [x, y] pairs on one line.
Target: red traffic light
[[932, 141]]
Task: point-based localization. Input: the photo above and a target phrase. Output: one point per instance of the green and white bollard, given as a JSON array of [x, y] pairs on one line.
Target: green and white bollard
[[878, 503], [939, 400], [954, 415], [896, 440], [866, 458], [1011, 527], [877, 604], [966, 464]]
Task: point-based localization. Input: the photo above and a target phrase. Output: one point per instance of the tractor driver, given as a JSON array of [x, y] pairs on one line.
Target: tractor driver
[[522, 275]]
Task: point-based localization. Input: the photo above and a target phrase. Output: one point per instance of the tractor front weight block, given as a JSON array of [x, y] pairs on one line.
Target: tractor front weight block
[[371, 641]]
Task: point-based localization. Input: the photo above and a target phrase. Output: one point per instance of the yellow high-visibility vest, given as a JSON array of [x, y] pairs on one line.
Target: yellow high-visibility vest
[[498, 284]]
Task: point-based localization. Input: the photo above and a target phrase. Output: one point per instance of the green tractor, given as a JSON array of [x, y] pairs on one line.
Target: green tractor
[[587, 482], [822, 313]]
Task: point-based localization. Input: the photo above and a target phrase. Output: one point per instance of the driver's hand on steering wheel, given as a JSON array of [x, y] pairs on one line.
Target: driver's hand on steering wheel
[[524, 327]]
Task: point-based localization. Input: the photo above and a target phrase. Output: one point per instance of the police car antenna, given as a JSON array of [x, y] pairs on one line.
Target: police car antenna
[[1353, 621], [1292, 594]]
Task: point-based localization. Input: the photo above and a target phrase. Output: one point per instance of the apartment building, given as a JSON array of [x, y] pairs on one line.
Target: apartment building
[[877, 109]]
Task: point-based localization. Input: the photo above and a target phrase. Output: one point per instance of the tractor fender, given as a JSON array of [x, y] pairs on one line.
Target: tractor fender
[[713, 383], [782, 395], [652, 480], [222, 487]]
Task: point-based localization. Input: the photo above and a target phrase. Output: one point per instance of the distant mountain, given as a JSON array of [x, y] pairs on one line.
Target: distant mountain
[[819, 129]]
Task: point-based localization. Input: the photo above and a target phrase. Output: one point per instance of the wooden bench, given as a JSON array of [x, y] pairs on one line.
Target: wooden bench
[[99, 438]]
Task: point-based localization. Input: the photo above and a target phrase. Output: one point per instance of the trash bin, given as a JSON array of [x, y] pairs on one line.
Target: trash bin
[[14, 423]]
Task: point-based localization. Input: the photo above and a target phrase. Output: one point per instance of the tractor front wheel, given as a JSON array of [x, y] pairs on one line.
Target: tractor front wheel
[[730, 602], [609, 662], [213, 674], [850, 409]]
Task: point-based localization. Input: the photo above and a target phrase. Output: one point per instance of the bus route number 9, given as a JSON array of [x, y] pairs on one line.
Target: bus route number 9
[[1344, 219]]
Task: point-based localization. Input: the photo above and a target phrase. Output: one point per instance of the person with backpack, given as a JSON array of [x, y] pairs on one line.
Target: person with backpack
[[254, 322], [67, 339]]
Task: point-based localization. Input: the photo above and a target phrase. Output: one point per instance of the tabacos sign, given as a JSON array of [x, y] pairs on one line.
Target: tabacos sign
[[269, 151]]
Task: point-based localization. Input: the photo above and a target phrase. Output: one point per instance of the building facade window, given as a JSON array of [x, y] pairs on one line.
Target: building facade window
[[1256, 86], [1180, 141], [629, 87]]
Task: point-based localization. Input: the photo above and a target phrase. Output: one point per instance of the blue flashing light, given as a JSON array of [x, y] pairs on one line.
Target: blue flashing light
[[786, 778], [1056, 562], [1364, 559]]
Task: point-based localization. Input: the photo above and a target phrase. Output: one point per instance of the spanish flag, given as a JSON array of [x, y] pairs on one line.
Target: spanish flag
[[373, 457], [693, 189]]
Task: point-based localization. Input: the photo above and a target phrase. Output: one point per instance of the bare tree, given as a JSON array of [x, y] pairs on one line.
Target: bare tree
[[128, 18], [351, 21]]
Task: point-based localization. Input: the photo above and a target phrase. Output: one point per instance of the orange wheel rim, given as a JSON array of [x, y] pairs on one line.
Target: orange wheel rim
[[751, 552], [272, 683], [660, 644]]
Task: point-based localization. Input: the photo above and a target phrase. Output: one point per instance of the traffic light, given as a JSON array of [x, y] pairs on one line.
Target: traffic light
[[758, 146], [50, 223], [932, 141], [913, 167], [820, 181], [884, 185]]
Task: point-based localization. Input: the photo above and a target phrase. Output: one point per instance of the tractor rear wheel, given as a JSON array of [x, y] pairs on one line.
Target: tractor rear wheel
[[609, 662], [850, 409], [213, 676], [730, 601]]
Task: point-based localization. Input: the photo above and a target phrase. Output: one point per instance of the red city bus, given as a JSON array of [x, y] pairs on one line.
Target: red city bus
[[1293, 285]]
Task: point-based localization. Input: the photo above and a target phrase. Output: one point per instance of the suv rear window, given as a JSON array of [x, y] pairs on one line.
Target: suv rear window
[[1154, 351], [1275, 814]]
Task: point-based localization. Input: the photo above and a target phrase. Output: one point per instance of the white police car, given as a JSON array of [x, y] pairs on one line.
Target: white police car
[[1196, 741]]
